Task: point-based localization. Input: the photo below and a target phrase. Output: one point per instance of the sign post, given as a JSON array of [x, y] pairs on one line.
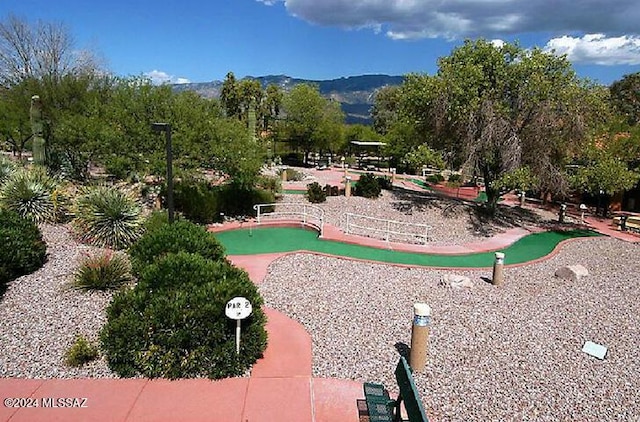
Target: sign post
[[238, 308]]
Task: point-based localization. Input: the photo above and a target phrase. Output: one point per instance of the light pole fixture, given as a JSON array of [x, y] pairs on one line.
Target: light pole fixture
[[166, 128]]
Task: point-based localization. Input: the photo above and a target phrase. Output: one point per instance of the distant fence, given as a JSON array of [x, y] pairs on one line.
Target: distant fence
[[308, 215], [388, 230]]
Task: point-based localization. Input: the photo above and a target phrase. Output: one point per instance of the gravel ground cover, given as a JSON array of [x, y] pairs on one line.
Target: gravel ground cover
[[40, 315], [507, 353], [496, 353]]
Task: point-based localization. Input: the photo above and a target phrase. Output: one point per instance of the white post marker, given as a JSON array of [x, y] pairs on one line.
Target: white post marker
[[238, 308]]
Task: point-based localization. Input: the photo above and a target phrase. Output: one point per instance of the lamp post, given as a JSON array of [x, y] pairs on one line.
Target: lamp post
[[166, 128]]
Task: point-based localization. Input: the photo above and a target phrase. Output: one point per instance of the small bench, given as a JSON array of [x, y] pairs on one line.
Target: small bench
[[382, 409]]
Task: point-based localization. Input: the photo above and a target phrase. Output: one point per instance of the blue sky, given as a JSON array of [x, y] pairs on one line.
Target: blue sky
[[200, 41]]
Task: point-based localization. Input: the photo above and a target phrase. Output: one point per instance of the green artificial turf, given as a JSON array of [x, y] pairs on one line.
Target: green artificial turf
[[421, 183], [286, 239], [294, 191]]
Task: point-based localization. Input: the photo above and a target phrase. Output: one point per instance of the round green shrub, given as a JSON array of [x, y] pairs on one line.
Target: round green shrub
[[368, 186], [237, 201], [103, 272], [173, 324], [435, 178], [22, 250], [80, 352], [108, 217], [315, 193], [197, 200], [181, 236]]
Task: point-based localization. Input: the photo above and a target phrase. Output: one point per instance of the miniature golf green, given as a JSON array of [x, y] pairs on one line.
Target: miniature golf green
[[287, 239]]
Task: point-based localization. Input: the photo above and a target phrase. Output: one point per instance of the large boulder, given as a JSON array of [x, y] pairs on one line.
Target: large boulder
[[456, 281], [572, 272]]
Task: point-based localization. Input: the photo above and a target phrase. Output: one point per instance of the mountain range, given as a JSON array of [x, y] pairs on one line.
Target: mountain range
[[354, 93]]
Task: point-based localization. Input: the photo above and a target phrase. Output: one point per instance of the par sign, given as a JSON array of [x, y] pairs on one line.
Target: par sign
[[238, 308]]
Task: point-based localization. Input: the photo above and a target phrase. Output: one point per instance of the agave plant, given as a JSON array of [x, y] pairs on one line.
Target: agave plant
[[7, 168], [108, 217], [29, 192]]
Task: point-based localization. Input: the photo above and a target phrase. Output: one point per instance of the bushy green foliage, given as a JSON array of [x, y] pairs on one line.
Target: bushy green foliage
[[108, 217], [435, 178], [293, 175], [236, 200], [22, 250], [197, 201], [103, 272], [422, 156], [7, 168], [521, 178], [119, 166], [202, 203], [157, 219], [172, 324], [270, 183], [455, 178], [385, 183], [608, 175], [181, 236], [368, 186], [315, 193], [332, 190], [80, 352], [30, 193]]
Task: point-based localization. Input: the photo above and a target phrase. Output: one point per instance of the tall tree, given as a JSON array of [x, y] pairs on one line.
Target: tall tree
[[625, 96], [501, 107], [311, 119], [230, 96], [45, 50]]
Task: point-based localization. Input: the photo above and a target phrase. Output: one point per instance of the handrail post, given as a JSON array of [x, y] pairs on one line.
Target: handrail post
[[387, 236], [347, 230]]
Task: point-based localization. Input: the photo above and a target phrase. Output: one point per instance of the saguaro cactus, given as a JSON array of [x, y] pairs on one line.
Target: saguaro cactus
[[39, 146]]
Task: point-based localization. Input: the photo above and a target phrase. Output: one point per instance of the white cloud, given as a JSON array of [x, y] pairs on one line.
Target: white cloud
[[159, 77], [406, 19], [598, 49]]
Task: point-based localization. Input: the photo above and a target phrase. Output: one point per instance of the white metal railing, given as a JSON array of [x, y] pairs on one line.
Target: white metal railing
[[388, 229], [310, 215]]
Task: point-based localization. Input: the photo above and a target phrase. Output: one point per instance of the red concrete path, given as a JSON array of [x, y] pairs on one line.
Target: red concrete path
[[280, 388]]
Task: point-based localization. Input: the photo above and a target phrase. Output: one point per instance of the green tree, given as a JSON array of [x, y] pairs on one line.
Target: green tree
[[422, 156], [500, 107], [312, 122], [230, 96], [607, 176], [385, 108], [625, 96]]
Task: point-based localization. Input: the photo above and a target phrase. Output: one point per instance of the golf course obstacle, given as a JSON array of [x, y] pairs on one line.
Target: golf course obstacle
[[388, 230], [308, 215]]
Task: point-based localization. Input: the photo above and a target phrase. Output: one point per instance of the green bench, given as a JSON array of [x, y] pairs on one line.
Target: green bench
[[380, 406]]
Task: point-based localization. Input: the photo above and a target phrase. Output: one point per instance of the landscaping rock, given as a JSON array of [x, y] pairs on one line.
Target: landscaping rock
[[456, 281], [572, 272]]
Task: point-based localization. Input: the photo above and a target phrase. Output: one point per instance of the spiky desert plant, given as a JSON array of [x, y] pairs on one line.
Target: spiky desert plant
[[105, 271], [7, 168], [108, 217], [29, 192]]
